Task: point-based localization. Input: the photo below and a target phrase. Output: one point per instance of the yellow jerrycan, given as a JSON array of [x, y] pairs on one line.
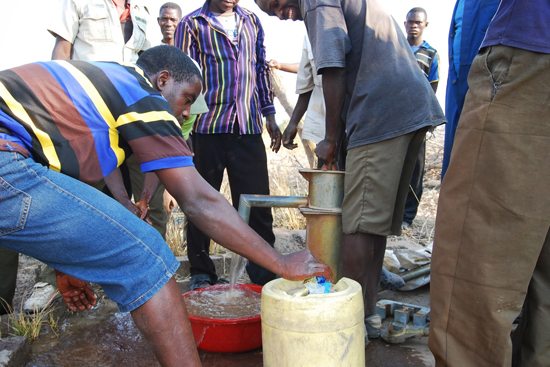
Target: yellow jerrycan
[[317, 330]]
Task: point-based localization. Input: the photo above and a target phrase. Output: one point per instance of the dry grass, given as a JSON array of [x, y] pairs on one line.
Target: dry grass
[[422, 229], [284, 180], [29, 325], [176, 234]]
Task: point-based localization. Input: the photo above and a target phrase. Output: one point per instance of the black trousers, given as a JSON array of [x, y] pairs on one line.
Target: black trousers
[[9, 261], [414, 195], [245, 159]]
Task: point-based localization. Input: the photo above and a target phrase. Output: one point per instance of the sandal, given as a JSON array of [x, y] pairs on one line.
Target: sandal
[[373, 325]]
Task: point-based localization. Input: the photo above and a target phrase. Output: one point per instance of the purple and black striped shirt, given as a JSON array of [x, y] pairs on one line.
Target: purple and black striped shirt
[[237, 84]]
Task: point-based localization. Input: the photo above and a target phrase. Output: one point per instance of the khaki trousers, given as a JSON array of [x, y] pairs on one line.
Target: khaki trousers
[[157, 214], [491, 244]]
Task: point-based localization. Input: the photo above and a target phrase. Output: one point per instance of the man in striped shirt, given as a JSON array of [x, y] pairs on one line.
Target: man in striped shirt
[[67, 123], [228, 42]]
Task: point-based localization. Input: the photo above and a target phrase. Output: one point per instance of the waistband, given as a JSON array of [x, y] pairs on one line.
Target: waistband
[[10, 146]]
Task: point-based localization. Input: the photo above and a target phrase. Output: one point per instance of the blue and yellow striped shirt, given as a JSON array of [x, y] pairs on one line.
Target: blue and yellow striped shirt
[[83, 118], [237, 84]]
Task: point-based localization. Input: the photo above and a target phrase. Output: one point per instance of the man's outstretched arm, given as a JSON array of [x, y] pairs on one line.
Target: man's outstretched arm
[[213, 215]]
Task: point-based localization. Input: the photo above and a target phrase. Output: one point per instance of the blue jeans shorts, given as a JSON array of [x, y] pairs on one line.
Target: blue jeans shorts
[[81, 232]]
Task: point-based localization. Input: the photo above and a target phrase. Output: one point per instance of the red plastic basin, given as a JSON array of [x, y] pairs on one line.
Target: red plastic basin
[[227, 335]]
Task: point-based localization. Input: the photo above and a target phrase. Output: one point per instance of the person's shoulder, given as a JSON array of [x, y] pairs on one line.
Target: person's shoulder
[[244, 12], [310, 5], [195, 13], [78, 4], [427, 46], [142, 5]]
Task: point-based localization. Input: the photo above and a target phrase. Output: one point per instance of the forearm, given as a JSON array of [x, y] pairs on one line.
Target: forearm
[[62, 49], [116, 185], [213, 215], [150, 185], [300, 108], [288, 67], [334, 92]]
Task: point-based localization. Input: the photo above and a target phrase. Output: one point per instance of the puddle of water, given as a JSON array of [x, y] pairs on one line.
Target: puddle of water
[[99, 337], [105, 337], [223, 303]]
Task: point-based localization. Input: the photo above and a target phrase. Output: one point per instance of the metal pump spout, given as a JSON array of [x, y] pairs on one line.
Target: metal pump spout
[[246, 202], [322, 209]]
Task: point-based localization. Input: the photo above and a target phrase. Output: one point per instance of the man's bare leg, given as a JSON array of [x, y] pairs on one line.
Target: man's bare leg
[[164, 322], [363, 258]]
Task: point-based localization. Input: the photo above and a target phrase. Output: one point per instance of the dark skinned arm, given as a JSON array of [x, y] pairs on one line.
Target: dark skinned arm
[[116, 185], [292, 127], [434, 86], [150, 186], [334, 91], [213, 215], [76, 293], [62, 49], [283, 66], [274, 132]]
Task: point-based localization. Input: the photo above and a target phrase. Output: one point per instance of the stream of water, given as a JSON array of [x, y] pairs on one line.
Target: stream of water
[[238, 265]]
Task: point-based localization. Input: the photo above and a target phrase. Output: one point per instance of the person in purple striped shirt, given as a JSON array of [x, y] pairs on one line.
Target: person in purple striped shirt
[[228, 43]]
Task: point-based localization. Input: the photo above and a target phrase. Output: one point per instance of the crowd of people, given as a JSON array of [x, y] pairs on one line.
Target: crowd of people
[[115, 118]]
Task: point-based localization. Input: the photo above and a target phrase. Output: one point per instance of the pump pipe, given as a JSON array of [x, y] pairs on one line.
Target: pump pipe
[[246, 203]]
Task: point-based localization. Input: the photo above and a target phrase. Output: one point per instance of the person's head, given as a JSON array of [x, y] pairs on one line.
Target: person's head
[[282, 9], [174, 75], [168, 19], [223, 6], [417, 21]]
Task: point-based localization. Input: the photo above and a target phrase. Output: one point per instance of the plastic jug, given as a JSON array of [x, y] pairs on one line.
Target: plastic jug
[[312, 330]]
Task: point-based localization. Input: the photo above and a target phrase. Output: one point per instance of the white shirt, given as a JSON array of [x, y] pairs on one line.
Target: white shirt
[[93, 28], [229, 25], [308, 80]]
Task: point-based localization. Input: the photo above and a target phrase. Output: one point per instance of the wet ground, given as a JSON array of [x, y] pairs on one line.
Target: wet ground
[[106, 337]]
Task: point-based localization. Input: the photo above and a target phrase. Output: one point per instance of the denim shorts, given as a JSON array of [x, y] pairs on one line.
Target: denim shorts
[[79, 231]]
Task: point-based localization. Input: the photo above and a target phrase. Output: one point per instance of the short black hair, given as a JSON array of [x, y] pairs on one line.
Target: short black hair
[[170, 5], [418, 10], [172, 59]]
